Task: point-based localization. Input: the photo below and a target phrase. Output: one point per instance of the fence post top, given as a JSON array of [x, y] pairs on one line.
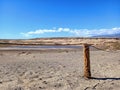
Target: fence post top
[[86, 44]]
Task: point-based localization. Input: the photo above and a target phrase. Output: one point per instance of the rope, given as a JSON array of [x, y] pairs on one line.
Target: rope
[[111, 51]]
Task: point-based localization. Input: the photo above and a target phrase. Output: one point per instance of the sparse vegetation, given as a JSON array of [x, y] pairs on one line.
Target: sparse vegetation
[[102, 43], [113, 46], [109, 46]]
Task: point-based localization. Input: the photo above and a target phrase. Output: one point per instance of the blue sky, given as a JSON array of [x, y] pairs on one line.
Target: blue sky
[[22, 19]]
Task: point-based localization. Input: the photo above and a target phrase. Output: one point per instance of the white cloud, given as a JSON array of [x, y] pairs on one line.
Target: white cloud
[[42, 31], [74, 32]]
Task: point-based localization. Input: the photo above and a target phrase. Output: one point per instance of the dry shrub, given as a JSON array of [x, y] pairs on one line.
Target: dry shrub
[[112, 45], [109, 46], [116, 45]]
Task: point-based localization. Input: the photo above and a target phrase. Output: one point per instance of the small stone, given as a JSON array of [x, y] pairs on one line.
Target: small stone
[[1, 82], [58, 85], [18, 88], [40, 87], [44, 82], [40, 78]]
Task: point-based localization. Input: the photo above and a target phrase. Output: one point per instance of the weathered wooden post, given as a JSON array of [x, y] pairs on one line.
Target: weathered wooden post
[[87, 72]]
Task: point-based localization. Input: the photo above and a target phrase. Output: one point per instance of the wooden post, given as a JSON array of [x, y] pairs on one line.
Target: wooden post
[[87, 72]]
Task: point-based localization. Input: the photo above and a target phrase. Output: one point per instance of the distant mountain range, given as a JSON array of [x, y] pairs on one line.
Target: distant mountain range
[[109, 36]]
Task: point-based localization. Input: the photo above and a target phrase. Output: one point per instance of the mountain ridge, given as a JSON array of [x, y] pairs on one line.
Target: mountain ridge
[[108, 36]]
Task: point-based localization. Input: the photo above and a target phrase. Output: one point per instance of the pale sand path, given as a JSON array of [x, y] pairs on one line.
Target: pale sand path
[[58, 70]]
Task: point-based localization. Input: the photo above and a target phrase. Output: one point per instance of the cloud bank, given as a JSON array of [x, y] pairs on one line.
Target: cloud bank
[[73, 32]]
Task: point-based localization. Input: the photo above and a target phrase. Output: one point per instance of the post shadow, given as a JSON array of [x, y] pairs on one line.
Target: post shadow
[[106, 78]]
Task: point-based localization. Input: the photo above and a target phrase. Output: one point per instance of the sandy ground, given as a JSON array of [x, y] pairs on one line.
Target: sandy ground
[[58, 70]]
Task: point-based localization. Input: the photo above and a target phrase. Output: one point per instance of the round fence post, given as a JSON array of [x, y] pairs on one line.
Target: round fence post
[[87, 72]]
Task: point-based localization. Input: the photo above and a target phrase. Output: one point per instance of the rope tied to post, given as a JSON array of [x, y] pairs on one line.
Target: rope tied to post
[[86, 52]]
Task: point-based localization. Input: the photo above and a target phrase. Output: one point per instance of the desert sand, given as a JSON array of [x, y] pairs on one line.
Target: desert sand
[[58, 69]]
